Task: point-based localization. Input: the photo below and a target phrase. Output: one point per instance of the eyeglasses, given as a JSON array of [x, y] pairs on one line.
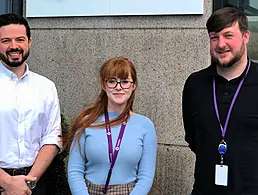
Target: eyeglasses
[[124, 84]]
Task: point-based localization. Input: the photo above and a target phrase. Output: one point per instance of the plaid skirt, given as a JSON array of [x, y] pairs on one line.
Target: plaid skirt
[[119, 189]]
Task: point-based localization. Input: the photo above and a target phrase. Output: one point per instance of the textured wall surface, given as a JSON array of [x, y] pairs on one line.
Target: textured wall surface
[[252, 46], [164, 49]]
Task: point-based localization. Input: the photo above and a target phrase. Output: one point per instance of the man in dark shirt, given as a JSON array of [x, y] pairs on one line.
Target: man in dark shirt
[[220, 111]]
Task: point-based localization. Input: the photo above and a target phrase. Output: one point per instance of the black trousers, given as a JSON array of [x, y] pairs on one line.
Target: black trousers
[[41, 187]]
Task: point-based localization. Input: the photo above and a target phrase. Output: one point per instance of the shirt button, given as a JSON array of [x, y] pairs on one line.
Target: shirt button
[[226, 93]]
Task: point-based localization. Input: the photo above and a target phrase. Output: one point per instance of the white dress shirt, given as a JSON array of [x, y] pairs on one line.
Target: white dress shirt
[[29, 117]]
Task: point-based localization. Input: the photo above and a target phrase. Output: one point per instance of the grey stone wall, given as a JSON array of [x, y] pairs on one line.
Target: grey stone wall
[[252, 46], [164, 49]]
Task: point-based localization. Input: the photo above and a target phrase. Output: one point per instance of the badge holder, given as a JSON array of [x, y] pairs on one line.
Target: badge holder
[[222, 150], [221, 171]]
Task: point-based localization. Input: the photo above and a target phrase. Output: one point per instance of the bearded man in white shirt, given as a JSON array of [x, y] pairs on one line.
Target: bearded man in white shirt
[[30, 123]]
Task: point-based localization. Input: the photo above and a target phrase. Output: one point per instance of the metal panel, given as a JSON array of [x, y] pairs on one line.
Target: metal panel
[[11, 6], [3, 6], [17, 6]]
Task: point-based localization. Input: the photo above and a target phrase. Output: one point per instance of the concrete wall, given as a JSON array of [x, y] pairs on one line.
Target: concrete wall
[[164, 49], [253, 41]]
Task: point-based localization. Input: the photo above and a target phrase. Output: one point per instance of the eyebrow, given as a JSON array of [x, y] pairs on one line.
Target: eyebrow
[[215, 33], [23, 37], [227, 32]]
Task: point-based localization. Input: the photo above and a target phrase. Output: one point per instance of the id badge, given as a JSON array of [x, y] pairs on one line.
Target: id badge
[[221, 175]]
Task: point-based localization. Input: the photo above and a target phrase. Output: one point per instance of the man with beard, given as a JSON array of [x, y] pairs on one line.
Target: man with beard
[[220, 111], [30, 122]]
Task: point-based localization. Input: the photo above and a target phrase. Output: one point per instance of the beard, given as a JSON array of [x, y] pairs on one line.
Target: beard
[[14, 63], [237, 56]]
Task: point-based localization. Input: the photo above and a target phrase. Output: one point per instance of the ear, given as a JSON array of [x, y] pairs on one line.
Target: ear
[[30, 42], [134, 86], [246, 36]]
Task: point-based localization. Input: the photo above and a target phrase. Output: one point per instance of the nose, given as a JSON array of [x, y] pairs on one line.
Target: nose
[[221, 42], [118, 86], [13, 44]]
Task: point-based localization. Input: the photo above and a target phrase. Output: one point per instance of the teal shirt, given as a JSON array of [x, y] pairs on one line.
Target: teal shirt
[[136, 158]]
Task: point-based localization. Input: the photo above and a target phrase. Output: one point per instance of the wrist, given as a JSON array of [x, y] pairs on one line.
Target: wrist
[[31, 175], [5, 179]]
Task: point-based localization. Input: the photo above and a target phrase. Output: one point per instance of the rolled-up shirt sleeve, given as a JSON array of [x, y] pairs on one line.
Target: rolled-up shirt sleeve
[[53, 131]]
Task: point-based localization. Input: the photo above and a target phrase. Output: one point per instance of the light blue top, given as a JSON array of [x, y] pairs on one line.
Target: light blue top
[[136, 158]]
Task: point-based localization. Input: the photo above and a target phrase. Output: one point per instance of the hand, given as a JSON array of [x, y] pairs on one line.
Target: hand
[[17, 185]]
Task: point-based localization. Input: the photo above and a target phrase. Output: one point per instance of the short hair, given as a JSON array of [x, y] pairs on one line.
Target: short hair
[[10, 18], [227, 17]]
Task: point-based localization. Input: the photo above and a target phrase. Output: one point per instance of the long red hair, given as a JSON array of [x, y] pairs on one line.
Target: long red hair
[[119, 67]]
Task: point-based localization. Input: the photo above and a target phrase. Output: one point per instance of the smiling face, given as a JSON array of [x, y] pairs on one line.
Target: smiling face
[[118, 92], [118, 82], [228, 46], [14, 45]]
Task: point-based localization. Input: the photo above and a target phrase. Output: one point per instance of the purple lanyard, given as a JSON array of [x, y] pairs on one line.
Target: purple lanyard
[[224, 129], [112, 156]]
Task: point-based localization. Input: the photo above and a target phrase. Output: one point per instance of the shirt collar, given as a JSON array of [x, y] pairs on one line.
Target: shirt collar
[[9, 74]]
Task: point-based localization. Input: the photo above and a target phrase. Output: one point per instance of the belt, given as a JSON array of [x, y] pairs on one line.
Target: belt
[[18, 171]]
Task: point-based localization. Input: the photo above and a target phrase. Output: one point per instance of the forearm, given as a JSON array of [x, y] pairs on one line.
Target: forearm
[[4, 178], [44, 158], [189, 130], [188, 113]]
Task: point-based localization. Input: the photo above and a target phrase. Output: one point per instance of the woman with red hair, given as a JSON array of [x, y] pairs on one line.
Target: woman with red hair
[[112, 149]]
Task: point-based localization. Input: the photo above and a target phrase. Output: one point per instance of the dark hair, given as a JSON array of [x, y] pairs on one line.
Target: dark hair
[[227, 17], [7, 19]]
